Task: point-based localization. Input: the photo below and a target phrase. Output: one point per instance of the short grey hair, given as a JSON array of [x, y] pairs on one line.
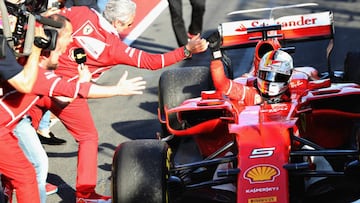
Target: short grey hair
[[121, 10]]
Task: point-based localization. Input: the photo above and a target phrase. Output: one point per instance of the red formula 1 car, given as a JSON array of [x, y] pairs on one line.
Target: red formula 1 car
[[215, 150]]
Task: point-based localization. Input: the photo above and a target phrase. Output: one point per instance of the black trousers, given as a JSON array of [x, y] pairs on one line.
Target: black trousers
[[195, 27], [88, 3]]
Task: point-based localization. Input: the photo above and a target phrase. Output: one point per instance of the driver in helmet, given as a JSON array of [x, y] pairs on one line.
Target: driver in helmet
[[272, 78]]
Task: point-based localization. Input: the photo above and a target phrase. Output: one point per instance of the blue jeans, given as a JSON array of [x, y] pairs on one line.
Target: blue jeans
[[44, 123], [102, 4], [34, 151]]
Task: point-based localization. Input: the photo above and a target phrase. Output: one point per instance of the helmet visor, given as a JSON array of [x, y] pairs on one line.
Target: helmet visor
[[271, 76], [271, 88]]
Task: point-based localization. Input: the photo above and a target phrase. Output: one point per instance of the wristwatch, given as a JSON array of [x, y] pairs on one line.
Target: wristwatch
[[187, 53]]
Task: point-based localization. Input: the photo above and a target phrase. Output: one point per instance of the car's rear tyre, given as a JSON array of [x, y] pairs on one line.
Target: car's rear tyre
[[140, 172], [352, 67], [177, 85]]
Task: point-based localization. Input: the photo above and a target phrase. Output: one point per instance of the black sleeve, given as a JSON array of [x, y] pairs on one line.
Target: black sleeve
[[9, 67]]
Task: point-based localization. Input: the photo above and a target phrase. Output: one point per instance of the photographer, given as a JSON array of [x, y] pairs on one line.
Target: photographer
[[13, 163], [15, 103]]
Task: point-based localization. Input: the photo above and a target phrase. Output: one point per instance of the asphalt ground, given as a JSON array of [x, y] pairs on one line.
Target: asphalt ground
[[120, 119]]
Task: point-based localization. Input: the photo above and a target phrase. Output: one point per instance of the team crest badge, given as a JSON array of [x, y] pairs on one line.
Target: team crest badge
[[87, 29]]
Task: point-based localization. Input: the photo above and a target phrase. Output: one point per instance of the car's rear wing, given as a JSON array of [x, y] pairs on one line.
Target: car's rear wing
[[294, 28]]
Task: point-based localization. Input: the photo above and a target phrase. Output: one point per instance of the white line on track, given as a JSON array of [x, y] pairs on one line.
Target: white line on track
[[146, 22]]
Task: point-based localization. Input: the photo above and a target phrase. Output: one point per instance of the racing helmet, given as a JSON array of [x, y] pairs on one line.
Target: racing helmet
[[274, 73]]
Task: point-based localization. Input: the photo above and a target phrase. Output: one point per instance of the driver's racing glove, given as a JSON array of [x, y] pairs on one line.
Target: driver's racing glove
[[214, 45]]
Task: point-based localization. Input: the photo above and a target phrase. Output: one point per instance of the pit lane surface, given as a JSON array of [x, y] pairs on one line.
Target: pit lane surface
[[126, 118]]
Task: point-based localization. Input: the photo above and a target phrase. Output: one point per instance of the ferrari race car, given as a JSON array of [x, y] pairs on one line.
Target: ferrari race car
[[213, 149]]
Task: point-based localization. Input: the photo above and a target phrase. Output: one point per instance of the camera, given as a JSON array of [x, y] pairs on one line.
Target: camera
[[21, 34]]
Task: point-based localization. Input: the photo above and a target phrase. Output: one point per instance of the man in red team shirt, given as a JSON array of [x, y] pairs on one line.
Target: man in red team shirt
[[99, 36]]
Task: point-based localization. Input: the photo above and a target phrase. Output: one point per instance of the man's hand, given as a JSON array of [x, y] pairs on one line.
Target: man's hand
[[130, 86], [124, 87], [84, 73], [214, 45], [197, 44], [39, 33], [50, 11]]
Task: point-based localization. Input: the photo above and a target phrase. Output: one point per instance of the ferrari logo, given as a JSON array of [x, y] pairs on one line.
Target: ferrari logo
[[87, 30]]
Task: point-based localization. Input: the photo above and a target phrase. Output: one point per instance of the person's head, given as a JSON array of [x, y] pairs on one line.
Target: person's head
[[274, 73], [120, 13], [63, 40]]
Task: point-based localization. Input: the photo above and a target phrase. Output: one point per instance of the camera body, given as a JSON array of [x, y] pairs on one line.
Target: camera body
[[19, 33]]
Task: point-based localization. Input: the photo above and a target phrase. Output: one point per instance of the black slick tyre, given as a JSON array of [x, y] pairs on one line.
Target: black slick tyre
[[352, 67], [140, 172], [177, 85]]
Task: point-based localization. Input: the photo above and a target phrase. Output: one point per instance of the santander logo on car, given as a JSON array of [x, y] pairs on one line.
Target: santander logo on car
[[288, 22], [302, 21]]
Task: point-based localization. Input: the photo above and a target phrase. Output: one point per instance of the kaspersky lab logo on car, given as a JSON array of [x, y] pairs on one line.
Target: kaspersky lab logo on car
[[261, 173]]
